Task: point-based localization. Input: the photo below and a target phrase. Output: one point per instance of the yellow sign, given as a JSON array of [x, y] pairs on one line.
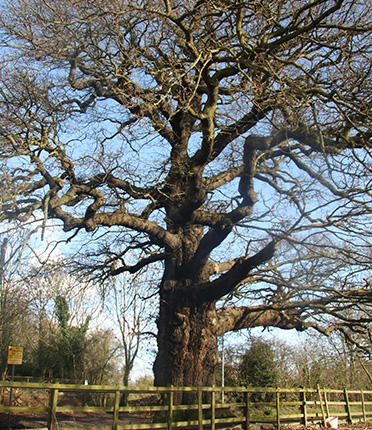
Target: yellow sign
[[15, 354]]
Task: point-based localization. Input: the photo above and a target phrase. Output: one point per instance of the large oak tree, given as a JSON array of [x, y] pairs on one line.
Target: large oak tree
[[225, 142]]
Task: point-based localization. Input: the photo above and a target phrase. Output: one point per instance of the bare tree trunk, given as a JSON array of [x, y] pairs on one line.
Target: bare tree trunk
[[124, 396], [187, 343], [3, 306], [364, 368]]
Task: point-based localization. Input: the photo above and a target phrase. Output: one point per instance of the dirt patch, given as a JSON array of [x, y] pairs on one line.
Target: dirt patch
[[33, 421], [30, 421]]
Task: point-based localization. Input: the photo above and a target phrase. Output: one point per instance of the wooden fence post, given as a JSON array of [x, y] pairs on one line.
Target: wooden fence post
[[247, 410], [278, 410], [363, 406], [213, 409], [170, 408], [304, 408], [326, 403], [200, 408], [321, 405], [52, 414], [115, 419], [347, 404]]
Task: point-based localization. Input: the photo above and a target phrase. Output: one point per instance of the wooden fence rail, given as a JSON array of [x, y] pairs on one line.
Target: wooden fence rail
[[156, 408]]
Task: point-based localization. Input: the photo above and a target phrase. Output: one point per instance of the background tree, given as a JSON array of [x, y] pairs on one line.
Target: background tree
[[60, 309], [102, 358], [132, 300], [258, 367], [71, 342], [229, 142], [16, 318], [309, 361], [28, 294]]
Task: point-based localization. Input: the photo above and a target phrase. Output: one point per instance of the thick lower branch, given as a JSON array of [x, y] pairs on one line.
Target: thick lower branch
[[120, 218], [239, 271], [237, 318]]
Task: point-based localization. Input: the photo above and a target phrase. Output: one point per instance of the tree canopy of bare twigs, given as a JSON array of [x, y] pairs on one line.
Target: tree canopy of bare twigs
[[227, 142]]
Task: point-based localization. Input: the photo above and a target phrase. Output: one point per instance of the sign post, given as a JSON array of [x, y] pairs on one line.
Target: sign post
[[15, 356]]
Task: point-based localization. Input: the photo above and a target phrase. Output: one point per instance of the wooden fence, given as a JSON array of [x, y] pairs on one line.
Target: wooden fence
[[241, 408]]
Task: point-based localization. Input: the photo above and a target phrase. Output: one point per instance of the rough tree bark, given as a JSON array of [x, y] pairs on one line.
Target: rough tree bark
[[187, 353]]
